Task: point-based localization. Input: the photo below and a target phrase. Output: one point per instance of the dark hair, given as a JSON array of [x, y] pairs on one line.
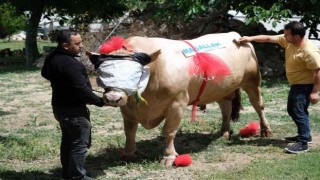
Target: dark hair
[[64, 36], [296, 28]]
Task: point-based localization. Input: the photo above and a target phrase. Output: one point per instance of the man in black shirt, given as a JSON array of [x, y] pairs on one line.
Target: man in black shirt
[[71, 91]]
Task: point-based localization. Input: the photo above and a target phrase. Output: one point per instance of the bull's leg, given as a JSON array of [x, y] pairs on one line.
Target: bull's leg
[[254, 94], [226, 108], [130, 129], [171, 126]]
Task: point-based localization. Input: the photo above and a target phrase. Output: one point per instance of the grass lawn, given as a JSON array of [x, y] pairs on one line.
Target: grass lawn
[[20, 45], [14, 45]]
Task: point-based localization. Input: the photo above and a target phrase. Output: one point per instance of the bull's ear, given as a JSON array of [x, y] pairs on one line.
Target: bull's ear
[[93, 57], [88, 53], [155, 55]]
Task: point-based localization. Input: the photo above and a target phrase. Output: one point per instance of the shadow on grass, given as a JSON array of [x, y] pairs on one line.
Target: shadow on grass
[[236, 140], [149, 151], [30, 175], [4, 113]]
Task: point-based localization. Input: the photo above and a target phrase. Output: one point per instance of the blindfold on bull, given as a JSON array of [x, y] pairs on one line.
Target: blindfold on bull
[[122, 71], [140, 57]]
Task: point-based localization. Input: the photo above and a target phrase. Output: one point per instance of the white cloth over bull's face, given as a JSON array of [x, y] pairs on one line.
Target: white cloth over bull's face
[[127, 75]]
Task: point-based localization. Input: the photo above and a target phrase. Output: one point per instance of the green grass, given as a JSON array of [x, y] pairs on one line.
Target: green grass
[[14, 45], [28, 146], [298, 167], [30, 138], [19, 58]]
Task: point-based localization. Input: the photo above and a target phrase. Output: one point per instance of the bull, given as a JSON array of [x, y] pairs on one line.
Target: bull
[[171, 87]]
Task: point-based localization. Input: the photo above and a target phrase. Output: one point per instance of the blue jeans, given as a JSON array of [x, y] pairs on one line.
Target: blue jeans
[[297, 106], [75, 141]]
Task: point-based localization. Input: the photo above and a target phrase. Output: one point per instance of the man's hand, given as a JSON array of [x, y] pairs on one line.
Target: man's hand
[[244, 39], [314, 98]]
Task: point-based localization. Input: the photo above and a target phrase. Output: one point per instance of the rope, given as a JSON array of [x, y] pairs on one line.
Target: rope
[[125, 16]]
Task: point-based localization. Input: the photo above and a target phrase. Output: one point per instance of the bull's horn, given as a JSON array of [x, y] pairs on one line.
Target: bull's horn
[[155, 55]]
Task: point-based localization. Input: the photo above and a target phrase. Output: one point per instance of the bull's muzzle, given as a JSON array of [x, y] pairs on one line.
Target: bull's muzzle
[[115, 98]]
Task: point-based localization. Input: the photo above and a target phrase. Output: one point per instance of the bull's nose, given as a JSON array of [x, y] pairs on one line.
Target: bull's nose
[[113, 98]]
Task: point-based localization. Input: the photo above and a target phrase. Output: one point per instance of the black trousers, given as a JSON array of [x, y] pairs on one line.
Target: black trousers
[[297, 105], [76, 139]]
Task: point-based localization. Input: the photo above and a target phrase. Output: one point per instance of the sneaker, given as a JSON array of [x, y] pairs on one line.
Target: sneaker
[[297, 148], [295, 139]]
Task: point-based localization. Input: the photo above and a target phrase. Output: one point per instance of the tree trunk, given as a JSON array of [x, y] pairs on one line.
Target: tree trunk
[[31, 46]]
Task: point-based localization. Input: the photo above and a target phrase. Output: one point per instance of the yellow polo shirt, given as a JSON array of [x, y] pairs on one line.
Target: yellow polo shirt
[[300, 61]]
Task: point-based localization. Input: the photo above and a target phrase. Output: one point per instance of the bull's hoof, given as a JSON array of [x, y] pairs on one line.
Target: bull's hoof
[[203, 108], [227, 135], [168, 161], [130, 157], [266, 133]]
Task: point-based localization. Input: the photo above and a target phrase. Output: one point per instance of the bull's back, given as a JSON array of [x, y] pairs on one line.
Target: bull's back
[[170, 72], [241, 61]]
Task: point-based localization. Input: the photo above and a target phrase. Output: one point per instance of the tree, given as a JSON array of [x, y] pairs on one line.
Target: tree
[[10, 22], [276, 10], [93, 9], [272, 11], [163, 10]]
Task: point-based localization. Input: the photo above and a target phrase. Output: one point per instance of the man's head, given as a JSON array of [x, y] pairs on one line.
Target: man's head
[[70, 40], [294, 32]]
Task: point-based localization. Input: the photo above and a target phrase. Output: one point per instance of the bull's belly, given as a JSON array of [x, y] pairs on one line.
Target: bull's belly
[[212, 91], [208, 97], [148, 115]]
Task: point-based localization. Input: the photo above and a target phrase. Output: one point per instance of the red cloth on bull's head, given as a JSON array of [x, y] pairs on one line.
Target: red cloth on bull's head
[[115, 43]]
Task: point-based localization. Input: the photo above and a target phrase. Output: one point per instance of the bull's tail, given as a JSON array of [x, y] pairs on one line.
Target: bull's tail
[[236, 105]]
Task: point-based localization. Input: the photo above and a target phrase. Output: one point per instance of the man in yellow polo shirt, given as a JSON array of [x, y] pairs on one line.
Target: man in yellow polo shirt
[[302, 69]]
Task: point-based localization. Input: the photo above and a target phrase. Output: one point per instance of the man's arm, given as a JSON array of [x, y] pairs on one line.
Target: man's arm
[[258, 38], [314, 96], [77, 74]]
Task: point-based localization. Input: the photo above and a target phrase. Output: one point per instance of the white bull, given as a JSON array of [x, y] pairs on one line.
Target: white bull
[[171, 88]]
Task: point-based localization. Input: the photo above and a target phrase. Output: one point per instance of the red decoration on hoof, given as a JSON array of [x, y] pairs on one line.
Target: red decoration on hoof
[[252, 129], [183, 160]]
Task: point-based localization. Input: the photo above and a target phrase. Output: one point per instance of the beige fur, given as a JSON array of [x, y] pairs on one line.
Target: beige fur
[[171, 88]]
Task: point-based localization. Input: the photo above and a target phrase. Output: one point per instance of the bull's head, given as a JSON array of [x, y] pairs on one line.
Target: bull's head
[[123, 75]]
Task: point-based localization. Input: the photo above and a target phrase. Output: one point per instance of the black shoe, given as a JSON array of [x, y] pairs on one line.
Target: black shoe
[[83, 178], [295, 139], [86, 178], [297, 148]]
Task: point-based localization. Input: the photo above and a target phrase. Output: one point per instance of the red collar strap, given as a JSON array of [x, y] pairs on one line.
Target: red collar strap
[[194, 103]]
